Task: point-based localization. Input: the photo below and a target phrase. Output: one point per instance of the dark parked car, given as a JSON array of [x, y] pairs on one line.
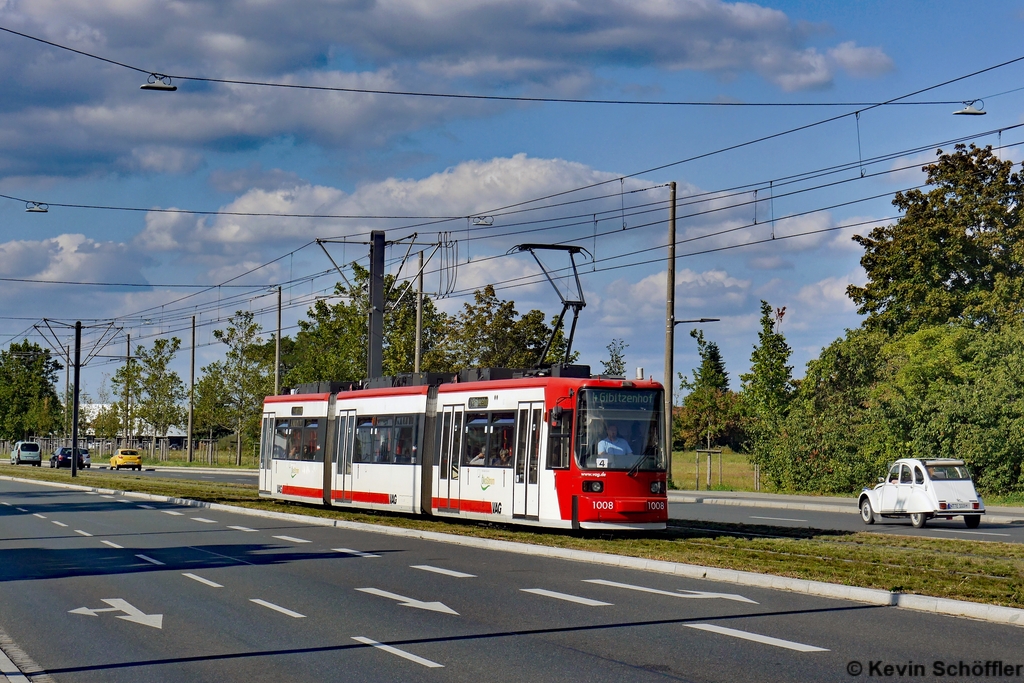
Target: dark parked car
[[62, 458]]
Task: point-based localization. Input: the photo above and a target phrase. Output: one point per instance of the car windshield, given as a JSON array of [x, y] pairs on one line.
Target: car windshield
[[620, 429], [948, 472]]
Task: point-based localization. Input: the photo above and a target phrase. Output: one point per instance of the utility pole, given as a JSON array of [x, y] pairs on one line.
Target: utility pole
[[191, 389], [375, 339], [74, 415], [277, 347], [127, 394], [419, 313], [670, 324], [67, 389]]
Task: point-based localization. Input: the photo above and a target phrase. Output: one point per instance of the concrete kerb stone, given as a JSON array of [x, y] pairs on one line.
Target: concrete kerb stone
[[874, 596]]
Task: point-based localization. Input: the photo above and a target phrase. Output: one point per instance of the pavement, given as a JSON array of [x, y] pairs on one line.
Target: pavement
[[993, 514]]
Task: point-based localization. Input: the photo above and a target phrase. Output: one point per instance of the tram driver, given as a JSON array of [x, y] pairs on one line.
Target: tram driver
[[613, 447]]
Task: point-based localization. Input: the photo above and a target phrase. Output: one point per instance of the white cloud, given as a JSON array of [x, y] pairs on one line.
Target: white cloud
[[829, 294], [862, 62]]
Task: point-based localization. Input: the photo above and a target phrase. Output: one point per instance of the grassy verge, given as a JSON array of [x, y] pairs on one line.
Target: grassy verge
[[980, 571], [730, 471]]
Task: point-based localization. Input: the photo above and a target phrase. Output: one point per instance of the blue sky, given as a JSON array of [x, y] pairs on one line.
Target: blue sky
[[79, 131]]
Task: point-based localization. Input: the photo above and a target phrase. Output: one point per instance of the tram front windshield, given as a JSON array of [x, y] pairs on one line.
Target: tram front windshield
[[620, 429]]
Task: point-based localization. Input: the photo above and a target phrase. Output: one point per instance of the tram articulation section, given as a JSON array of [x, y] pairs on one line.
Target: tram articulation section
[[555, 447]]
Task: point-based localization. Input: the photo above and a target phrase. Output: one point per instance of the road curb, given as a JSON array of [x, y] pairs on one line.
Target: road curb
[[920, 603]]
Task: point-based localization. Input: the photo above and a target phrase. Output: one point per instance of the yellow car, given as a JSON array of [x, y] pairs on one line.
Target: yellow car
[[126, 457]]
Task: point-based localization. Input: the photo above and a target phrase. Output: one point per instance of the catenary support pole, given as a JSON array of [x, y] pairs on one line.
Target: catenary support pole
[[191, 390], [375, 339], [419, 314], [127, 395], [670, 324], [277, 347], [74, 412]]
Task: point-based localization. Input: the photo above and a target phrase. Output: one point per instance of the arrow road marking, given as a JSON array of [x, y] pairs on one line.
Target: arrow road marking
[[400, 653], [131, 613], [565, 596], [277, 608], [446, 572], [409, 602], [357, 553], [292, 539], [149, 559], [757, 638], [682, 594], [211, 584]]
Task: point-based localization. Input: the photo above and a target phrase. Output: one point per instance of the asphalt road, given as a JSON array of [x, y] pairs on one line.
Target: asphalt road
[[843, 521], [107, 588], [248, 477]]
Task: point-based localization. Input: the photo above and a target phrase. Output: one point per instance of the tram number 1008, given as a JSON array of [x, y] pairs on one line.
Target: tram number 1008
[[655, 505], [604, 504]]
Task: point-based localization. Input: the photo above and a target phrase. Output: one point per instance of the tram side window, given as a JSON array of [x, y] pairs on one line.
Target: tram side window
[[311, 446], [559, 436], [502, 439], [383, 441], [287, 439], [364, 450], [405, 434], [475, 451]]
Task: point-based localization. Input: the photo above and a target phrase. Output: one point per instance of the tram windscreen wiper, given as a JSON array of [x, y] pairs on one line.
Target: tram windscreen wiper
[[636, 466]]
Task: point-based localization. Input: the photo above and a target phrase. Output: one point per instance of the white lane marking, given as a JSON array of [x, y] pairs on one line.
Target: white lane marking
[[204, 520], [36, 514], [226, 557], [21, 509], [121, 500], [357, 553], [107, 497], [148, 507], [681, 593], [10, 672], [277, 608], [446, 572], [171, 512], [211, 584], [58, 523], [241, 528], [91, 493], [410, 602], [84, 533], [5, 503], [131, 613], [112, 545], [779, 519], [757, 638], [292, 539], [975, 533], [149, 559], [566, 597], [398, 653]]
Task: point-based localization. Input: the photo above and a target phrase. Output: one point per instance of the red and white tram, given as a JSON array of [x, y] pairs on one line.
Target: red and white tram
[[556, 449]]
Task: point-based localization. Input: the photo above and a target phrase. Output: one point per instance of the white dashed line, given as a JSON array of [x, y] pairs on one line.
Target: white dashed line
[[112, 545], [5, 503], [36, 514], [565, 596], [278, 608], [171, 512], [211, 584], [757, 638], [357, 553], [150, 560], [58, 523], [147, 507], [446, 572], [399, 653], [107, 497], [241, 528], [292, 539], [779, 519], [204, 520], [84, 533], [122, 500], [21, 509]]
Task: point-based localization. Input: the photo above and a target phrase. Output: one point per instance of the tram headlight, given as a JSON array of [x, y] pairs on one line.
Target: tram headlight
[[593, 486], [657, 487]]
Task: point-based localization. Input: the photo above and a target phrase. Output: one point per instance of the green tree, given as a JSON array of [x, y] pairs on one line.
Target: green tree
[[106, 422], [247, 378], [956, 254], [28, 396], [126, 387], [162, 390], [615, 366], [767, 390], [709, 409]]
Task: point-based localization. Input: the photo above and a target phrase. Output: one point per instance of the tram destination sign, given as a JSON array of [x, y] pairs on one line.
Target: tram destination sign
[[623, 400]]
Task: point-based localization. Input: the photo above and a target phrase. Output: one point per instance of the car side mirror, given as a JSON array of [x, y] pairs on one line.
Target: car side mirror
[[881, 480]]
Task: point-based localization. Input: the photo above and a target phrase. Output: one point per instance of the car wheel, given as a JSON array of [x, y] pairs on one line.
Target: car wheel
[[918, 519], [865, 511], [972, 521]]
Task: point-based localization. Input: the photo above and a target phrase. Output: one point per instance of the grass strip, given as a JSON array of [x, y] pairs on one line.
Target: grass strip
[[979, 571]]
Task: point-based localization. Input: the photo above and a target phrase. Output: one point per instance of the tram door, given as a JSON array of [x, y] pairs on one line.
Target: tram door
[[447, 484], [344, 440], [266, 452], [525, 490]]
